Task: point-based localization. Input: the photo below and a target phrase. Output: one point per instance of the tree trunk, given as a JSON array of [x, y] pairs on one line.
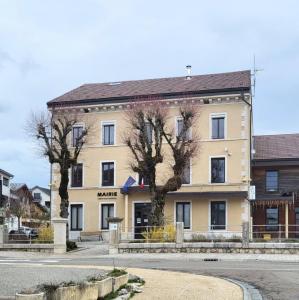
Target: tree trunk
[[158, 202], [63, 193], [64, 197]]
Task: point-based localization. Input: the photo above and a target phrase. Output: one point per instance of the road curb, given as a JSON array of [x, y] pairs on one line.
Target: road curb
[[249, 291]]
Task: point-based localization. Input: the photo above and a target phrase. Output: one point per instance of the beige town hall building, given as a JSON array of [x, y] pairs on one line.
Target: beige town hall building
[[214, 196]]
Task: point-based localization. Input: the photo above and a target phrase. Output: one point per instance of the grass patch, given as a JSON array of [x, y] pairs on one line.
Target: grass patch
[[137, 280], [30, 291], [97, 277], [116, 272]]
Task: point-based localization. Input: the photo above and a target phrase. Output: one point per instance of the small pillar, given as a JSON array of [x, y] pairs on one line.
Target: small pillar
[[114, 234], [179, 239], [245, 234], [59, 225], [287, 220], [3, 235]]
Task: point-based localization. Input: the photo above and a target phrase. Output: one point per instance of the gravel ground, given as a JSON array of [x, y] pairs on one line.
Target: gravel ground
[[27, 277]]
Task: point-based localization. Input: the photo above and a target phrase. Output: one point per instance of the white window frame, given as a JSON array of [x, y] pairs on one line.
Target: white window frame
[[210, 169], [114, 179], [83, 176], [80, 124], [214, 116], [226, 218], [100, 213], [112, 122], [70, 215], [191, 212]]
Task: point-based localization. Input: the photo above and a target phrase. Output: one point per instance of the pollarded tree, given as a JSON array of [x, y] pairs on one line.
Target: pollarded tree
[[152, 142], [54, 133]]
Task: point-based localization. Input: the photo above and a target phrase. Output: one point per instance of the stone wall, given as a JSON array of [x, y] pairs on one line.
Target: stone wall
[[253, 248]]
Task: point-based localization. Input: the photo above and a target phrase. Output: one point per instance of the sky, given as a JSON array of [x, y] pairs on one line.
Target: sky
[[52, 46]]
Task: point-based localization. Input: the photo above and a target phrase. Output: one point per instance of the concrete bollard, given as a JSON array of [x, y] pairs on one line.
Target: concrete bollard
[[59, 226], [2, 235], [245, 234], [114, 237], [179, 239]]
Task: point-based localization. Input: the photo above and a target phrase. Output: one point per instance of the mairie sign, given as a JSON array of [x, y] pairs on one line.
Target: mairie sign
[[107, 194]]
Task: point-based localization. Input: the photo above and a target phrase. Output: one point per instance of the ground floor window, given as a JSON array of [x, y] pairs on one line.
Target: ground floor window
[[218, 215], [272, 219], [107, 211], [183, 214], [76, 217]]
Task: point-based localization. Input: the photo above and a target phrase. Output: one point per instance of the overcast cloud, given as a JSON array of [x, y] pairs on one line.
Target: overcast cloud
[[49, 47]]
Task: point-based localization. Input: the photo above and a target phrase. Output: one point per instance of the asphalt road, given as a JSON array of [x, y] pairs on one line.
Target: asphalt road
[[275, 280]]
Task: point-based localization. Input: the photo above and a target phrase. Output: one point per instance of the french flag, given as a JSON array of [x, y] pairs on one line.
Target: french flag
[[141, 185]]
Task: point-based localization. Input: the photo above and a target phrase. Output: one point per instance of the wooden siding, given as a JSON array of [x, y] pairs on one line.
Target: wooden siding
[[288, 180]]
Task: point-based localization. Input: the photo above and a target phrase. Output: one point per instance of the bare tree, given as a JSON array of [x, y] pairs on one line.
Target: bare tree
[[54, 133], [148, 138]]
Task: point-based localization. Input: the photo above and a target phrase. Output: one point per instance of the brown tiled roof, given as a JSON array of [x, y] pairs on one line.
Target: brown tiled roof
[[167, 86], [279, 146]]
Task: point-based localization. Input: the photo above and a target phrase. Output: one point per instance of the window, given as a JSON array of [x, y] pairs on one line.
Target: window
[[271, 181], [76, 216], [77, 175], [149, 132], [218, 170], [218, 215], [108, 134], [186, 176], [218, 127], [77, 134], [180, 128], [37, 196], [108, 174], [5, 181], [272, 219], [107, 212], [183, 213]]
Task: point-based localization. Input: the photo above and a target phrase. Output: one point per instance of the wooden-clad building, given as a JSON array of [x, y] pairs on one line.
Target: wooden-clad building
[[275, 175]]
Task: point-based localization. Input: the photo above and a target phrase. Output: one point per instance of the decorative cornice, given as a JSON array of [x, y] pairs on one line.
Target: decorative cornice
[[201, 101]]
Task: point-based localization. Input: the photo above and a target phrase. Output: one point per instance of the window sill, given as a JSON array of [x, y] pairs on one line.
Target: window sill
[[76, 188], [107, 187]]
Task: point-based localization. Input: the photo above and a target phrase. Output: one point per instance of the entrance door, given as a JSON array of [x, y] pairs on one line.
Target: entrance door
[[141, 218]]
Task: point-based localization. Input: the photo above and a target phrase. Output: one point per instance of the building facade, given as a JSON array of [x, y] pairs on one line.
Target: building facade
[[214, 197], [42, 196], [5, 178], [275, 174]]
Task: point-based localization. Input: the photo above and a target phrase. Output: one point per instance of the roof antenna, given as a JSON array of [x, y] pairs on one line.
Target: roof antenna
[[188, 68], [255, 71]]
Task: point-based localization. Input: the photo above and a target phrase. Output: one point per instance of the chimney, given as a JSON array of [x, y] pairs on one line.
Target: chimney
[[188, 68]]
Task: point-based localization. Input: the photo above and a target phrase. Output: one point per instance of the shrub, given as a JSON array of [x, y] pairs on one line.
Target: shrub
[[45, 234], [160, 234]]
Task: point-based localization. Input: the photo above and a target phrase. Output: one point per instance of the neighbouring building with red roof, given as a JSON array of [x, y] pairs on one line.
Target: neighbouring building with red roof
[[275, 175]]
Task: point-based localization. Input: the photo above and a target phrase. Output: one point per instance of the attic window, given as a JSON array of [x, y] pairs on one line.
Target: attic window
[[114, 83]]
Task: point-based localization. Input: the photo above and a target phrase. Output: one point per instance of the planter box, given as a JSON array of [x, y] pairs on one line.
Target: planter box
[[104, 287], [39, 296], [87, 292], [119, 281]]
